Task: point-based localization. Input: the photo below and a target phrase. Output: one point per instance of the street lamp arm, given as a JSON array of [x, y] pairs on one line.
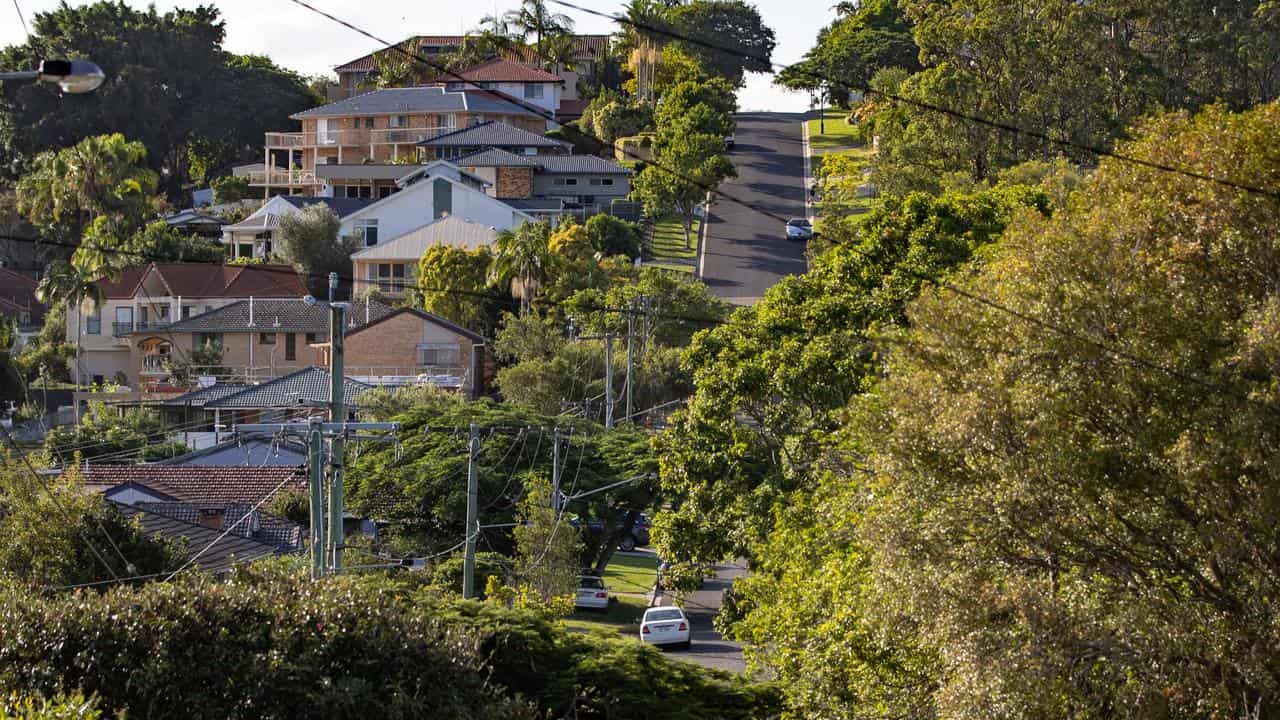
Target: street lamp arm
[[610, 486]]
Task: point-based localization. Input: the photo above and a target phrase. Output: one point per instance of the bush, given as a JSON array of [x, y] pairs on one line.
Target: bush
[[229, 189], [267, 644], [447, 575], [612, 236], [61, 707]]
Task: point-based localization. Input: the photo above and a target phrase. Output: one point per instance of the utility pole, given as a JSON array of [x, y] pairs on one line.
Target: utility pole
[[473, 492], [608, 380], [555, 468], [631, 347], [315, 445], [337, 415]]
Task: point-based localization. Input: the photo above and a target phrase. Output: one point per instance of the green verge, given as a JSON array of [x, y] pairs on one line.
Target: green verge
[[839, 135], [666, 248]]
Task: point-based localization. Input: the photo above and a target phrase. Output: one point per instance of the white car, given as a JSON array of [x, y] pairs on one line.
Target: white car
[[665, 626], [592, 594], [799, 229]]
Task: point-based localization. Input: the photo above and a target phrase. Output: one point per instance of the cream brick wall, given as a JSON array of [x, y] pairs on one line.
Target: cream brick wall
[[393, 345]]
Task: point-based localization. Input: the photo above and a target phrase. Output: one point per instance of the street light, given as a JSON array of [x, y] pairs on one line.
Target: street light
[[73, 76]]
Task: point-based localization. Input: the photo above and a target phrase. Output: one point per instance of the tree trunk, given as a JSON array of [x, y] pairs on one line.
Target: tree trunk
[[688, 225]]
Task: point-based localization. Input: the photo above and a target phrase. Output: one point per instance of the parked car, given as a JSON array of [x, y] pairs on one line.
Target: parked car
[[592, 594], [665, 626], [799, 229], [639, 536]]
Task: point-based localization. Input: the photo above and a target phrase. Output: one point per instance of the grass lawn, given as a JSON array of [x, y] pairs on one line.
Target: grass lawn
[[629, 579], [838, 136], [667, 249]]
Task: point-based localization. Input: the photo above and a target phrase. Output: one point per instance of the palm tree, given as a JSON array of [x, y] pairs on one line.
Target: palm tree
[[64, 282], [642, 30], [534, 18], [521, 256]]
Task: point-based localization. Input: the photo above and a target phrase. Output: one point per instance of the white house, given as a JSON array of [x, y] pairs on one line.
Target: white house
[[528, 85], [392, 266], [427, 193], [255, 235]]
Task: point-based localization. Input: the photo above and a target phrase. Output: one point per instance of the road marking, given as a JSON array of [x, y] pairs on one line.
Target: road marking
[[702, 237], [808, 182]]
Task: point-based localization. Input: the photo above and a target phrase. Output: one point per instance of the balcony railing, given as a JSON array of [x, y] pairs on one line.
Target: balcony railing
[[259, 178], [356, 136], [120, 329]]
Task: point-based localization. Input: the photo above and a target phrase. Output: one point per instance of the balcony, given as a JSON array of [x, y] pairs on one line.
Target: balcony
[[120, 329], [355, 137], [283, 178]]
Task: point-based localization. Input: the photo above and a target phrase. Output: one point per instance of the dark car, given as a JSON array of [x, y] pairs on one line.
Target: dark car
[[638, 537]]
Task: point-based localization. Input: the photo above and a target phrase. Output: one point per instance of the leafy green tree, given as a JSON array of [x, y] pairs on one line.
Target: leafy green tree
[[229, 189], [729, 37], [613, 236], [682, 99], [171, 64], [51, 524], [547, 554], [535, 18], [309, 241], [106, 436], [162, 242], [522, 259], [686, 167], [869, 37], [1065, 477], [454, 284], [45, 357]]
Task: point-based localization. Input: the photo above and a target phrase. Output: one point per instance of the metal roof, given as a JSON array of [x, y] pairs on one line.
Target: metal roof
[[491, 134], [427, 99], [308, 385], [536, 204], [453, 231]]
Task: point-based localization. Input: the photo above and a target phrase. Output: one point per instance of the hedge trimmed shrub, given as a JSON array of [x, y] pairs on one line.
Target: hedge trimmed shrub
[[269, 644]]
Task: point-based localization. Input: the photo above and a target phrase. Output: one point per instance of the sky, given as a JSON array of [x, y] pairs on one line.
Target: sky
[[301, 40]]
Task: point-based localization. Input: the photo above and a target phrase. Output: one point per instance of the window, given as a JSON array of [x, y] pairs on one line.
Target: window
[[124, 321], [93, 322], [210, 339], [244, 250], [266, 338], [312, 338], [384, 191], [332, 160], [187, 310], [391, 276], [606, 182], [290, 346], [455, 86], [571, 181], [438, 354], [368, 123], [533, 90], [368, 231], [398, 121]]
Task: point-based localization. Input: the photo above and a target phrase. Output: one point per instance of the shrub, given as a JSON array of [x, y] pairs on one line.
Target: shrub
[[613, 236]]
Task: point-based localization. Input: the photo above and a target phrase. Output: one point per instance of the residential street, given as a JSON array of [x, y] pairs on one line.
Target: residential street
[[709, 649], [746, 252]]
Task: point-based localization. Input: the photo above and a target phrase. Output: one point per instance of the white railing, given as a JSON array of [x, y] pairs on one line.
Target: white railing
[[355, 136], [282, 177]]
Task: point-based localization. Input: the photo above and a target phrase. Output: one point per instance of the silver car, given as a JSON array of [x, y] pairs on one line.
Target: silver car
[[799, 229]]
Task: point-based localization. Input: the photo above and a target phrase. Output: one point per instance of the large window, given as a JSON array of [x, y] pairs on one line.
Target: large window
[[367, 230], [290, 346], [93, 322], [124, 321], [266, 338], [391, 277], [439, 354], [533, 90]]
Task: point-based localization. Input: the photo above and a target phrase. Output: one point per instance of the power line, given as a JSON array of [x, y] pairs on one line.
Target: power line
[[931, 107], [23, 19]]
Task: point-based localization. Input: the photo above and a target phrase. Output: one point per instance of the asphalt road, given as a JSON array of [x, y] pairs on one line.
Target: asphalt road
[[708, 649], [746, 251]]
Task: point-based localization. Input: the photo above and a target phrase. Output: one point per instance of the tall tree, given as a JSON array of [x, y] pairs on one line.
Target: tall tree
[[454, 284], [309, 241], [863, 40], [727, 37], [522, 258], [687, 165], [172, 65], [533, 17]]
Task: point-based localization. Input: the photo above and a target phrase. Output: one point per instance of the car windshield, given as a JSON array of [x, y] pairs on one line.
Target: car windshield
[[591, 583], [798, 222], [664, 615]]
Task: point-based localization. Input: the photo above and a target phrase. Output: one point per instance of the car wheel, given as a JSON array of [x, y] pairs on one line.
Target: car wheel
[[627, 544], [686, 644]]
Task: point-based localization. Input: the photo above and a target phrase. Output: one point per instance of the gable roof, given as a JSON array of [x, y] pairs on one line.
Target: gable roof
[[220, 552], [454, 231], [492, 133], [585, 46], [289, 391], [502, 70], [17, 291], [200, 396], [429, 317], [291, 315], [420, 99], [254, 451], [204, 280], [409, 182], [193, 217], [496, 157], [195, 484], [340, 206]]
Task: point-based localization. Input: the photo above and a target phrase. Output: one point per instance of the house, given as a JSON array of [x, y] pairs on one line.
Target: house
[[303, 391], [196, 223], [255, 451], [18, 303], [225, 499], [392, 266], [492, 134], [589, 52], [213, 551], [259, 339], [427, 193], [379, 126], [254, 237], [152, 296], [265, 339], [533, 85], [582, 180]]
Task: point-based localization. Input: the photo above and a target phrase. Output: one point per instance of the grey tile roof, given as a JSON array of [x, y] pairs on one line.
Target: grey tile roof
[[536, 204], [308, 384], [391, 101], [257, 525], [277, 315], [219, 557], [496, 157], [579, 165], [492, 134], [198, 397], [246, 451]]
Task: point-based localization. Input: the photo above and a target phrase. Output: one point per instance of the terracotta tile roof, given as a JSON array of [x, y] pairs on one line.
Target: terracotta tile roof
[[587, 46], [572, 108], [500, 70], [17, 294], [493, 134], [204, 280], [199, 484]]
